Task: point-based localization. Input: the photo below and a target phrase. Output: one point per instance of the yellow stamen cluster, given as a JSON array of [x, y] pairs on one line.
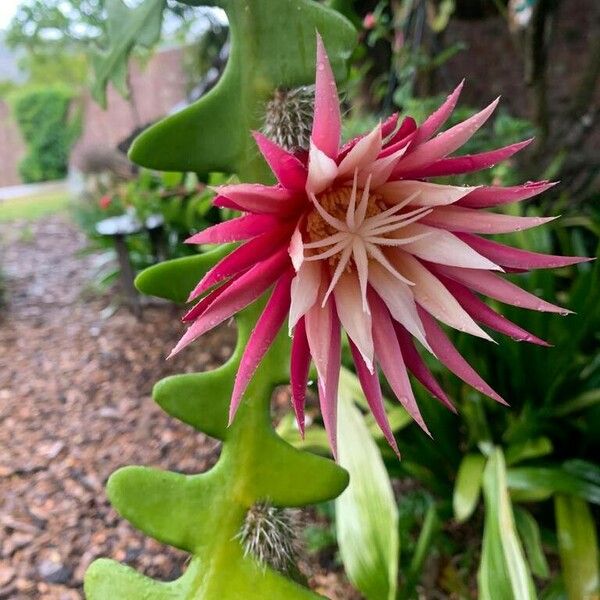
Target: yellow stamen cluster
[[335, 202]]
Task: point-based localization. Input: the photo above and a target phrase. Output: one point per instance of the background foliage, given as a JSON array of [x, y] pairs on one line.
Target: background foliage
[[49, 130]]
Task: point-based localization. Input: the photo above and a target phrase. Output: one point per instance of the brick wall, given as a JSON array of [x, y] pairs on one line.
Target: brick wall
[[156, 89], [12, 148]]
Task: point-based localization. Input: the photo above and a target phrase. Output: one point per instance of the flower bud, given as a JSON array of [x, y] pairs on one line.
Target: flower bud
[[289, 117]]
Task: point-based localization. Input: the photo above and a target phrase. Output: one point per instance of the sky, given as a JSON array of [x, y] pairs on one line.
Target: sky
[[7, 11]]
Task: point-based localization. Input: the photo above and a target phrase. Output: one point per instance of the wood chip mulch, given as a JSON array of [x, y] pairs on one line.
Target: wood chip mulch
[[75, 405]]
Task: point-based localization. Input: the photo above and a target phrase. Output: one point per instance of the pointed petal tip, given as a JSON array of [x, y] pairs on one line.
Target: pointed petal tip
[[451, 406], [232, 412], [394, 447], [500, 400], [174, 352]]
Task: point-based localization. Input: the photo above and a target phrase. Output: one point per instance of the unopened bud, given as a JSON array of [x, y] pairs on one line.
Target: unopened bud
[[289, 117]]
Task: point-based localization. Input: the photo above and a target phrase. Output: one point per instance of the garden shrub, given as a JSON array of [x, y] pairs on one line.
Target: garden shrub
[[43, 116]]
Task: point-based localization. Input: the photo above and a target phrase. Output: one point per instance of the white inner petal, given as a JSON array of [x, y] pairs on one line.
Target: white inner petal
[[351, 227]]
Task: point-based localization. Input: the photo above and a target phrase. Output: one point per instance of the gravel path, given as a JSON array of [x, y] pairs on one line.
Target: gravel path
[[74, 406]]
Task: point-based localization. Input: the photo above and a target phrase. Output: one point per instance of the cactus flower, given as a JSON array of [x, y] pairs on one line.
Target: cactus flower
[[354, 237]]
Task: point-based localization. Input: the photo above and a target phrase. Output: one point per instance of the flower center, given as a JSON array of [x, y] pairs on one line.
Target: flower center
[[350, 227], [336, 202]]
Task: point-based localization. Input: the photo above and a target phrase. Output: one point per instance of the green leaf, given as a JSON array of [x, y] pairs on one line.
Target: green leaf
[[532, 448], [503, 571], [468, 486], [315, 437], [430, 527], [529, 532], [545, 481], [175, 279], [273, 46], [366, 513], [126, 28], [579, 403], [583, 469], [578, 547], [555, 591]]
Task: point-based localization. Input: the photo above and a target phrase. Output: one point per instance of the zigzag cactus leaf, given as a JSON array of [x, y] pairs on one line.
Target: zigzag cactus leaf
[[132, 491], [273, 45], [173, 279], [203, 513], [198, 399], [110, 580]]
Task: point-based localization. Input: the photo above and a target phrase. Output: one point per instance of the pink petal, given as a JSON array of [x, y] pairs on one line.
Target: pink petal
[[296, 248], [457, 218], [299, 368], [430, 194], [257, 198], [390, 358], [364, 153], [446, 142], [489, 196], [506, 256], [431, 294], [323, 333], [355, 321], [386, 129], [327, 122], [288, 169], [305, 290], [389, 125], [500, 289], [399, 300], [224, 202], [242, 258], [408, 127], [393, 148], [370, 385], [318, 321], [242, 292], [463, 164], [322, 170], [449, 356], [263, 334], [201, 306], [382, 168], [439, 117], [418, 368], [235, 230], [482, 313], [443, 247]]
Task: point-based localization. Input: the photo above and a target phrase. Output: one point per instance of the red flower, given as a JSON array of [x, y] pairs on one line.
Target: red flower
[[369, 22], [105, 202]]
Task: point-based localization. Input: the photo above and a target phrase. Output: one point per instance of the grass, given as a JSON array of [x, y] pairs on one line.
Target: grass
[[33, 207]]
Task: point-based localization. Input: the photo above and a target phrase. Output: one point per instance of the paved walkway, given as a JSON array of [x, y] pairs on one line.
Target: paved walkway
[[32, 189]]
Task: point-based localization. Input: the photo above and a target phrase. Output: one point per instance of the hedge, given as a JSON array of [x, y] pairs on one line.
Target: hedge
[[43, 115]]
